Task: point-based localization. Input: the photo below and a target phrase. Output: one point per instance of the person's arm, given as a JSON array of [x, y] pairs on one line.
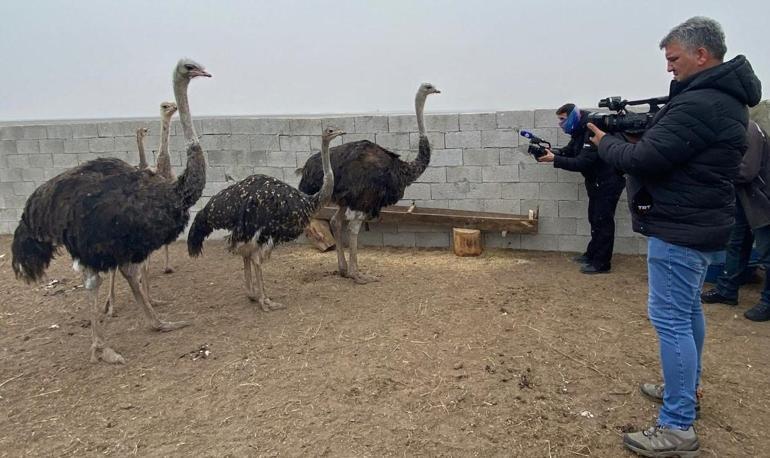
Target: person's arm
[[682, 132], [583, 162], [752, 159]]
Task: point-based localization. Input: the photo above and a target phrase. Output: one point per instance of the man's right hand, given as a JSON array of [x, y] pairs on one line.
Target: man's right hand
[[547, 157]]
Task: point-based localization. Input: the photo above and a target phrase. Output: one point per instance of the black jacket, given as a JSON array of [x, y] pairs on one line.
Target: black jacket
[[681, 172], [751, 187], [580, 155]]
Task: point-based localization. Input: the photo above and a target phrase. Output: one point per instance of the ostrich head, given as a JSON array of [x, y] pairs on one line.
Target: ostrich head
[[142, 132], [427, 89], [188, 68], [330, 133], [167, 109]]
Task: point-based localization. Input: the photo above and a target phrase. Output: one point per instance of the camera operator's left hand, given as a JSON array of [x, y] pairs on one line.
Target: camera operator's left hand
[[598, 134], [547, 157]]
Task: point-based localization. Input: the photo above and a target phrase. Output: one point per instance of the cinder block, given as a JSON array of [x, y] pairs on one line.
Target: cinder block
[[535, 172], [464, 173], [294, 143], [129, 144], [11, 201], [65, 160], [546, 208], [500, 173], [561, 138], [34, 132], [346, 123], [7, 147], [23, 188], [11, 133], [10, 175], [446, 157], [546, 118], [217, 157], [558, 226], [402, 123], [85, 157], [510, 156], [624, 228], [41, 160], [466, 139], [573, 243], [499, 139], [101, 145], [583, 226], [275, 172], [281, 159], [478, 121], [28, 146], [393, 141], [272, 125], [243, 126], [512, 206], [559, 191], [566, 176], [436, 140], [442, 122], [85, 130], [264, 142], [431, 239], [543, 242], [370, 238], [305, 126], [418, 191], [399, 239], [18, 161], [9, 214], [348, 138], [515, 119], [626, 245], [215, 174], [108, 129], [487, 156], [546, 133], [573, 209], [433, 175], [520, 191], [371, 124], [33, 174], [215, 126], [450, 191], [465, 204], [240, 142], [496, 240], [212, 142], [251, 158], [315, 142]]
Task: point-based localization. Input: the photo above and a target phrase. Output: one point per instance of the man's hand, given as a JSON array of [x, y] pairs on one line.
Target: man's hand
[[547, 157], [598, 134]]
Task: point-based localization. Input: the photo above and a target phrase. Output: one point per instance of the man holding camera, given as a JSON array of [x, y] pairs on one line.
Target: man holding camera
[[603, 183], [681, 196]]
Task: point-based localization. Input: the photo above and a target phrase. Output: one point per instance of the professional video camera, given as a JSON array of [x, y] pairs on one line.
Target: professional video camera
[[623, 120], [537, 146]]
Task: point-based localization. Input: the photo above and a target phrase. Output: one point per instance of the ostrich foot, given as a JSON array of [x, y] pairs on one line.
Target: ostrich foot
[[109, 308], [168, 270], [106, 354], [166, 326], [362, 279], [268, 305]]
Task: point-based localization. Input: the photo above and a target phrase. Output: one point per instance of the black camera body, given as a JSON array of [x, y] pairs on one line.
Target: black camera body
[[537, 146], [623, 120]]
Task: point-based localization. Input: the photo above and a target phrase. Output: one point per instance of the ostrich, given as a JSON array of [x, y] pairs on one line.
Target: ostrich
[[163, 168], [109, 214], [261, 211], [369, 177]]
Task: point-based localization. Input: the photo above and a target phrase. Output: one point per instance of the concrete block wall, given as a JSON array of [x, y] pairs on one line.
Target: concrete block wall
[[478, 163]]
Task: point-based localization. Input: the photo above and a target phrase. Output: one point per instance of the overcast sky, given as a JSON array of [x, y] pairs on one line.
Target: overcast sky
[[106, 59]]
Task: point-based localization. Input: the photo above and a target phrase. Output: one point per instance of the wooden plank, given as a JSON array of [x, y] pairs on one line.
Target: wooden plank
[[485, 221]]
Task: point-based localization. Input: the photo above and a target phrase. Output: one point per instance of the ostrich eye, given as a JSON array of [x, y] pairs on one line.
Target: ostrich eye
[[189, 67]]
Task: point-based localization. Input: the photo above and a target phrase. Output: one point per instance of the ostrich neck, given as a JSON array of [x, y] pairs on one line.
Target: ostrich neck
[[419, 106], [180, 93], [327, 188], [165, 133], [140, 147]]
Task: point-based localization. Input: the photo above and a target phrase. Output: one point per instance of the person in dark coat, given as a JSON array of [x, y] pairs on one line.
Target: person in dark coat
[[752, 223], [603, 183], [680, 191]]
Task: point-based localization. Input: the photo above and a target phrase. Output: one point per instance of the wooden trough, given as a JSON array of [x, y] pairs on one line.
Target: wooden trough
[[485, 221]]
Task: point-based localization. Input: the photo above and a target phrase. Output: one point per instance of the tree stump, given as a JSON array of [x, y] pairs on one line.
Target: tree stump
[[466, 242], [320, 235]]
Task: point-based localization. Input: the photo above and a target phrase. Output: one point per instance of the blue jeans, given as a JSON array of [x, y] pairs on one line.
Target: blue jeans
[[676, 276], [738, 253]]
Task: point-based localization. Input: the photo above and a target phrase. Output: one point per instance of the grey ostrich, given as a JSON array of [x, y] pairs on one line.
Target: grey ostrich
[[368, 178], [109, 214], [163, 168], [260, 212]]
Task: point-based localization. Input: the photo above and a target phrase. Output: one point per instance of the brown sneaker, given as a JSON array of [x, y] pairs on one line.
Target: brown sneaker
[[664, 442]]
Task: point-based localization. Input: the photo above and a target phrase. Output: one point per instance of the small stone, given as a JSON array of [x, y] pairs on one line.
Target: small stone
[[458, 366]]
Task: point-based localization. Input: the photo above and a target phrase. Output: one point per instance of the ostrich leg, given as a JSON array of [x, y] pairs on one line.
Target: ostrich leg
[[132, 273], [248, 279], [167, 269], [110, 305], [265, 302], [145, 282], [354, 226], [99, 350], [337, 224]]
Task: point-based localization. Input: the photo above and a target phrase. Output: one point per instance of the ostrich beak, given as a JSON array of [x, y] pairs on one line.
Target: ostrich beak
[[437, 91], [200, 73]]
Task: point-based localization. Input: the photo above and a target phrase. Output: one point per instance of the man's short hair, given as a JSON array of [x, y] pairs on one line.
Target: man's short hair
[[698, 32], [565, 109]]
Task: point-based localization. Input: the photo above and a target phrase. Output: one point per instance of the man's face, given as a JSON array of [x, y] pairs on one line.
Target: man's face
[[683, 62], [562, 117]]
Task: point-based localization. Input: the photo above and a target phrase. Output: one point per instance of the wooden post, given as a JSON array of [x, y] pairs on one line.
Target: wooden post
[[320, 235], [466, 242]]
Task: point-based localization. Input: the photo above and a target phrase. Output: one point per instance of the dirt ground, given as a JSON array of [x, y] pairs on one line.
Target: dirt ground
[[509, 354]]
